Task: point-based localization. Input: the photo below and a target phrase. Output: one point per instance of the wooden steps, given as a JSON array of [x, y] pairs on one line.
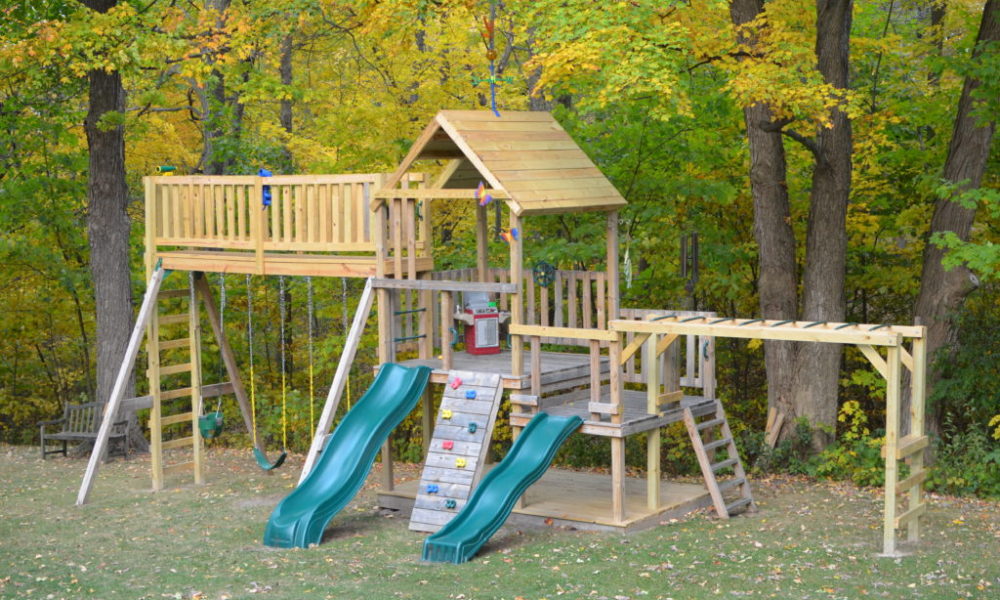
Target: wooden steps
[[743, 498], [458, 449]]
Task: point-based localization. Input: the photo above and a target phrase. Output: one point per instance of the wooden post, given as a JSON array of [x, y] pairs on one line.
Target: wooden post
[[650, 367], [891, 442], [918, 389], [516, 300], [617, 443], [614, 303], [194, 348], [258, 223], [482, 242], [228, 358], [447, 318], [152, 351]]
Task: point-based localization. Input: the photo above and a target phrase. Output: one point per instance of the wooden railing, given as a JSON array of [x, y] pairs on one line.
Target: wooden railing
[[306, 213], [690, 362]]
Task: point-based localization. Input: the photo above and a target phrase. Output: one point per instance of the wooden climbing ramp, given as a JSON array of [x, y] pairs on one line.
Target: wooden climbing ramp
[[457, 453]]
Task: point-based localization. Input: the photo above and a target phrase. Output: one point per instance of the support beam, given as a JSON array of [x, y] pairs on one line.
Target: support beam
[[339, 379], [118, 391], [516, 299], [228, 358]]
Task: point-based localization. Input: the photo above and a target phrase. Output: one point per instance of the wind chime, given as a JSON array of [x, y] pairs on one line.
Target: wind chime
[[489, 25]]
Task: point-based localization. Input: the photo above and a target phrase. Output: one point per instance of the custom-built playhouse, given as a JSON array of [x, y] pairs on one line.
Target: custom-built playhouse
[[557, 343]]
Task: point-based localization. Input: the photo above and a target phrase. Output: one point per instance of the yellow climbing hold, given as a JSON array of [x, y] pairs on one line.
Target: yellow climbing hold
[[446, 414], [460, 463]]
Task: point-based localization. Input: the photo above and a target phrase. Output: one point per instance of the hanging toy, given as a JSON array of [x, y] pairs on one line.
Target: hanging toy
[[265, 200], [489, 24], [509, 236], [481, 195]]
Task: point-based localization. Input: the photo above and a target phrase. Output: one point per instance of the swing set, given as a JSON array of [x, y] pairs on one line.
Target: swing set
[[211, 424]]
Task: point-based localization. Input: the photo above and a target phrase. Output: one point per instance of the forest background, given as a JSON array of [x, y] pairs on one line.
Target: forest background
[[738, 122]]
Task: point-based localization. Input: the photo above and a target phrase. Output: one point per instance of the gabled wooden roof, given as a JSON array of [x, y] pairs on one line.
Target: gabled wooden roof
[[527, 156]]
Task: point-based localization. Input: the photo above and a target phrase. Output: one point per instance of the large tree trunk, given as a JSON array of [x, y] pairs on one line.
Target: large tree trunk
[[215, 160], [942, 292], [818, 365], [777, 279], [108, 226], [802, 378]]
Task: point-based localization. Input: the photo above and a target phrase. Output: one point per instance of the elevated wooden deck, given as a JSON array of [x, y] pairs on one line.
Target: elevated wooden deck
[[279, 263], [635, 418], [559, 370]]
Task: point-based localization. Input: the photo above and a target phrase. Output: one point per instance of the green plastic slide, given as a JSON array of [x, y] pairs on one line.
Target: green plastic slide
[[341, 470], [491, 503]]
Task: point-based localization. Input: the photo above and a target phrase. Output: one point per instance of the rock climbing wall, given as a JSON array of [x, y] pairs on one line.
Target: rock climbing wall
[[458, 449]]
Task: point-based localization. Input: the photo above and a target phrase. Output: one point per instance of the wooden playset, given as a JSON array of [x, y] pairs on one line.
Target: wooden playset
[[572, 350]]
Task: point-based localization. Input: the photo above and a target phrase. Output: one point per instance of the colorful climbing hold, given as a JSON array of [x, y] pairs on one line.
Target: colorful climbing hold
[[447, 444], [473, 427], [450, 503], [460, 463], [446, 414], [470, 394], [456, 383], [432, 488]]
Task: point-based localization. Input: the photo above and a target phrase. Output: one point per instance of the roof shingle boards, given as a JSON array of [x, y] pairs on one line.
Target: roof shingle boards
[[528, 154]]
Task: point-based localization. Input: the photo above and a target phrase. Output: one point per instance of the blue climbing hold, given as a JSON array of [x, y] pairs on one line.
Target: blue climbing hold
[[449, 503], [470, 394], [432, 488], [473, 427]]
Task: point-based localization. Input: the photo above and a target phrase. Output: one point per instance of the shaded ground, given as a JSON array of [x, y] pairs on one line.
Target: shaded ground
[[808, 540]]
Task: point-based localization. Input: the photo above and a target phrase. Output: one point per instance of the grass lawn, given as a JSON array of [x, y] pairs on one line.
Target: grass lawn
[[808, 540]]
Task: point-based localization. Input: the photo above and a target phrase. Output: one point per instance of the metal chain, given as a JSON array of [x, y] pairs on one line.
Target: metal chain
[[281, 319], [309, 300]]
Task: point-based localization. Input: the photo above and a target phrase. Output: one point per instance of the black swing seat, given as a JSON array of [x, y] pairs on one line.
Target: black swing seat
[[267, 465]]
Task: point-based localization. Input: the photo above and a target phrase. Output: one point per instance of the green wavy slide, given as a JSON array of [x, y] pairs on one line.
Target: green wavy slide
[[341, 470], [491, 503]]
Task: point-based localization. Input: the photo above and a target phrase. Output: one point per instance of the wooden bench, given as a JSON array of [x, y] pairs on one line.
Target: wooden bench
[[79, 423]]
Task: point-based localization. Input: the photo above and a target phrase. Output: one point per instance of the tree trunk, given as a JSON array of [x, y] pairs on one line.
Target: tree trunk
[[215, 160], [777, 280], [802, 378], [942, 292], [108, 227], [818, 365], [285, 110]]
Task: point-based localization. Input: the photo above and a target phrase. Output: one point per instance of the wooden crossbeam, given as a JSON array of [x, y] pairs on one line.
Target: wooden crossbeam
[[837, 333]]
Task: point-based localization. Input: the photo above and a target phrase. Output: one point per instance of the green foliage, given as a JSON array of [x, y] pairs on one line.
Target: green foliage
[[967, 462], [856, 455], [790, 455]]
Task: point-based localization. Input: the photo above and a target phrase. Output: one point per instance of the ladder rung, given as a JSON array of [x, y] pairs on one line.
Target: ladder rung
[[174, 369], [913, 513], [731, 483], [737, 504], [178, 443], [726, 463], [180, 293], [173, 319], [174, 394], [907, 484], [711, 423], [717, 444], [908, 445], [178, 418], [178, 343], [175, 468]]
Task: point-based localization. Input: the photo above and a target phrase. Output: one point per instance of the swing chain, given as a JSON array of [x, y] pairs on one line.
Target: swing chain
[[282, 309], [309, 301]]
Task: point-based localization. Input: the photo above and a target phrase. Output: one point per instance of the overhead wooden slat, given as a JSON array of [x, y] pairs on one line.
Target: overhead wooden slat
[[532, 155]]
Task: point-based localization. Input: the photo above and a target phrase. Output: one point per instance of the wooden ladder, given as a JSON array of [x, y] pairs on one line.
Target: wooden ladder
[[714, 419], [184, 356]]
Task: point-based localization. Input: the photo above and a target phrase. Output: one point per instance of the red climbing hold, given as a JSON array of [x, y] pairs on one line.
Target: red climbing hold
[[447, 444], [456, 383]]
